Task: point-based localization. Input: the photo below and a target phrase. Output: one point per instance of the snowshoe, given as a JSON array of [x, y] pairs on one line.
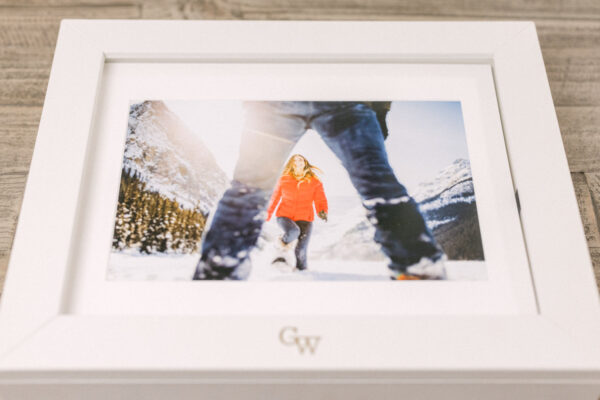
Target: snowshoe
[[285, 258], [282, 265]]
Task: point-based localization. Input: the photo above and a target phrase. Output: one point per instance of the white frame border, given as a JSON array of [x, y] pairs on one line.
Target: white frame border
[[39, 343]]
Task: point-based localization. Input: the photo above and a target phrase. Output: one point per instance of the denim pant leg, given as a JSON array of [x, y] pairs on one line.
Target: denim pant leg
[[269, 134], [302, 246], [291, 231], [354, 135]]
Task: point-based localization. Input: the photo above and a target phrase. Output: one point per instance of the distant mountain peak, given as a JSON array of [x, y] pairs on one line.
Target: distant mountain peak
[[455, 173]]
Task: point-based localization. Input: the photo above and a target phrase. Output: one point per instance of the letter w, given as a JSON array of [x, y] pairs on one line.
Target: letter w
[[307, 342]]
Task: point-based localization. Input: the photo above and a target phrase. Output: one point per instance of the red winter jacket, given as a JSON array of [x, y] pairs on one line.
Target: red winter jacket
[[297, 198]]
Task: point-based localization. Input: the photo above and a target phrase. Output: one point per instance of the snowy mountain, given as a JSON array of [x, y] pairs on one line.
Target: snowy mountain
[[170, 158], [454, 174], [443, 199], [448, 205]]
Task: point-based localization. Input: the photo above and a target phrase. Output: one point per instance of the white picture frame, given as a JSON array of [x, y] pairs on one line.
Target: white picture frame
[[47, 349]]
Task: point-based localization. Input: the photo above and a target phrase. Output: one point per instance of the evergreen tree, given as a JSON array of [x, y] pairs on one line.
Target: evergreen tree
[[152, 223]]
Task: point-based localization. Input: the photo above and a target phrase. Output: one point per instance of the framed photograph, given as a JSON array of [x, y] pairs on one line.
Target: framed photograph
[[240, 209]]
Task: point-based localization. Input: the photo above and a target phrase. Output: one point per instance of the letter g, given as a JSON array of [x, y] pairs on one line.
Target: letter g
[[288, 339]]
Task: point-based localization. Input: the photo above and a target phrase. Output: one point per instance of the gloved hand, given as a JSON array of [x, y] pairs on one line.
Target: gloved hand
[[381, 109], [323, 215]]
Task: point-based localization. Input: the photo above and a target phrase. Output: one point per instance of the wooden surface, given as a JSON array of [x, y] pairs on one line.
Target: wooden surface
[[569, 32]]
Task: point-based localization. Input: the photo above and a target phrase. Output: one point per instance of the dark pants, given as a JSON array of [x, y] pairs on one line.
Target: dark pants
[[351, 130], [293, 230]]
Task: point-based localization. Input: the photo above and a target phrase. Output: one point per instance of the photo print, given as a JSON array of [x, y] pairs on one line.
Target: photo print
[[296, 190]]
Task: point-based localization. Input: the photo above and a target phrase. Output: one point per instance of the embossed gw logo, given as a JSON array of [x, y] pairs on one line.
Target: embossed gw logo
[[289, 336]]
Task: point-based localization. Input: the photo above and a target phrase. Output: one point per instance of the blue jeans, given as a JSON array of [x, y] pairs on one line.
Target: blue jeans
[[352, 132], [293, 230]]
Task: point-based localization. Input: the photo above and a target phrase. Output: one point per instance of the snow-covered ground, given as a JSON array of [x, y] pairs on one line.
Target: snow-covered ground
[[132, 266]]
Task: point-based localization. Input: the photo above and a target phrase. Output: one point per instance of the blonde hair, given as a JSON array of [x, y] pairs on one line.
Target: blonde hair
[[309, 172]]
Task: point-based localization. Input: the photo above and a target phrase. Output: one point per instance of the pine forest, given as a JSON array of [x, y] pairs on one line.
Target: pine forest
[[152, 223]]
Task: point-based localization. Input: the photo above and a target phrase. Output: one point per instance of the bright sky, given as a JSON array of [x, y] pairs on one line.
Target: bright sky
[[424, 137]]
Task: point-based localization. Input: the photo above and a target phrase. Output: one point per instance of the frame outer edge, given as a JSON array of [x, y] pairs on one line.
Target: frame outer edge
[[36, 272], [554, 233]]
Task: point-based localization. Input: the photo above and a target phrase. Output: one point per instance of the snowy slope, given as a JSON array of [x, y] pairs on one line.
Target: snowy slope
[[170, 158]]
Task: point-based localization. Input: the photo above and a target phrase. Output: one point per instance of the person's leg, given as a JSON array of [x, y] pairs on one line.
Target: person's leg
[[302, 246], [353, 133], [291, 231], [270, 132]]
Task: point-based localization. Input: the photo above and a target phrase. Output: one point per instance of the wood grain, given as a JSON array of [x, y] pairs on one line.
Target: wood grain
[[18, 129], [579, 127], [382, 9], [582, 83], [23, 86], [571, 52], [11, 196], [30, 32], [24, 74], [564, 34], [586, 209], [593, 181], [27, 40], [45, 9]]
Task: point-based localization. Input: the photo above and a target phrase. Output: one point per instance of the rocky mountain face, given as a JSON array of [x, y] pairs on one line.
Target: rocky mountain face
[[170, 159]]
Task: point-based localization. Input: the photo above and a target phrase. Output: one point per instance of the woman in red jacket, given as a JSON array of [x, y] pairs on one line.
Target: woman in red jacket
[[298, 188]]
